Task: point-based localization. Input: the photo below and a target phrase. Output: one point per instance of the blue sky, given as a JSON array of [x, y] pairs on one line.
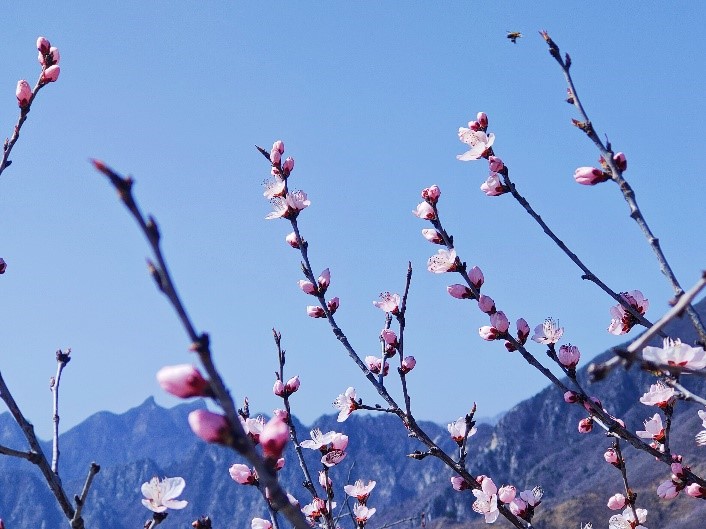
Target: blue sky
[[368, 98]]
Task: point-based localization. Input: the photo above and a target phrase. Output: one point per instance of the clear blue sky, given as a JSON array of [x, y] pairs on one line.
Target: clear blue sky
[[367, 97]]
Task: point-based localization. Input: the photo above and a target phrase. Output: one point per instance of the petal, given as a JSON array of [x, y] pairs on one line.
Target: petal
[[175, 504], [172, 487]]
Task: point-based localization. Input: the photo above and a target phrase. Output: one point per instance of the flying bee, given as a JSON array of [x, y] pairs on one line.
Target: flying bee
[[513, 36]]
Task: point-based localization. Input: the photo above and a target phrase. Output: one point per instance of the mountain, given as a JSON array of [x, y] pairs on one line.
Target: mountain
[[534, 443]]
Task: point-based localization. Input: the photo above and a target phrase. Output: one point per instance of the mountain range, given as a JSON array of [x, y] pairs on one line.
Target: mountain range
[[534, 443]]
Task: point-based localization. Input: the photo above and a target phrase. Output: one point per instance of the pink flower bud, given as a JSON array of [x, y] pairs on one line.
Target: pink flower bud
[[667, 490], [260, 523], [41, 58], [621, 162], [432, 236], [523, 330], [431, 194], [389, 337], [518, 507], [474, 126], [677, 470], [54, 55], [23, 93], [616, 502], [3, 266], [292, 240], [458, 483], [424, 211], [315, 311], [590, 176], [43, 45], [274, 437], [292, 385], [280, 413], [278, 146], [183, 381], [496, 164], [408, 364], [482, 119], [695, 490], [307, 286], [611, 456], [279, 465], [242, 474], [507, 493], [275, 156], [570, 397], [324, 280], [209, 426], [475, 274], [51, 74], [595, 400], [288, 165], [488, 333], [486, 304], [569, 356], [500, 321], [278, 388], [459, 291], [493, 187], [586, 425], [333, 305]]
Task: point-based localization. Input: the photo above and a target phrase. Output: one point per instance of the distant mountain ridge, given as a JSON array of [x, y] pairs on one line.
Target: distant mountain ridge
[[535, 443]]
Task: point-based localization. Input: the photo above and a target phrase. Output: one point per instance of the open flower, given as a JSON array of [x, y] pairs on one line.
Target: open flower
[[487, 500], [346, 403], [653, 429], [443, 261], [659, 395], [388, 302], [260, 523], [359, 490], [160, 495], [458, 429], [478, 141], [548, 332], [493, 187], [362, 513], [243, 474], [675, 353], [622, 321], [701, 436], [288, 207], [626, 520]]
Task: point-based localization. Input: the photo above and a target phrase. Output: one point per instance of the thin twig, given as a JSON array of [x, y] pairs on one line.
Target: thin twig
[[238, 440], [629, 494], [400, 347], [628, 193], [76, 521], [29, 456], [685, 393], [61, 360]]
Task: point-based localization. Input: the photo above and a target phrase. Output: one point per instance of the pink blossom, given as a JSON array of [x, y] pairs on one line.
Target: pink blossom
[[478, 141], [667, 490], [315, 311], [288, 207], [292, 385], [548, 332], [486, 304], [659, 395], [482, 119], [626, 520], [325, 442], [260, 523], [487, 501], [346, 403], [253, 427], [586, 425], [360, 490], [54, 55], [362, 513], [183, 380], [275, 156], [274, 187], [432, 236], [288, 165], [675, 353], [325, 481], [653, 429], [496, 164], [408, 364], [459, 291], [424, 211], [274, 437], [324, 280], [51, 74], [242, 474], [43, 45], [333, 458], [431, 194], [389, 337], [621, 162], [375, 365], [3, 266], [518, 507], [443, 261], [500, 321], [532, 497], [160, 495], [282, 414], [278, 146], [570, 397], [701, 436], [507, 493], [388, 303], [458, 483], [475, 274], [622, 321], [307, 287], [209, 426], [695, 490], [292, 240], [569, 356], [616, 502], [488, 333], [590, 176], [279, 465], [458, 430], [23, 93], [523, 330], [333, 304], [493, 187]]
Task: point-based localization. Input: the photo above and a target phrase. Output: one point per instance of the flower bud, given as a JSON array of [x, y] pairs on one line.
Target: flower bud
[[209, 426], [695, 490], [570, 397], [475, 274], [496, 164], [183, 381], [569, 356], [586, 425], [482, 119], [432, 236], [424, 211], [307, 286], [667, 490], [51, 74], [389, 337], [242, 474], [292, 240], [333, 305], [43, 45], [523, 330], [431, 194], [275, 156], [458, 483], [278, 388], [488, 333], [3, 266], [408, 364], [611, 456], [507, 493], [23, 93], [288, 165], [486, 304], [54, 55], [292, 385], [278, 146], [279, 465], [324, 280], [282, 414], [621, 162], [274, 437], [590, 176], [459, 291], [315, 311], [616, 502], [500, 321]]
